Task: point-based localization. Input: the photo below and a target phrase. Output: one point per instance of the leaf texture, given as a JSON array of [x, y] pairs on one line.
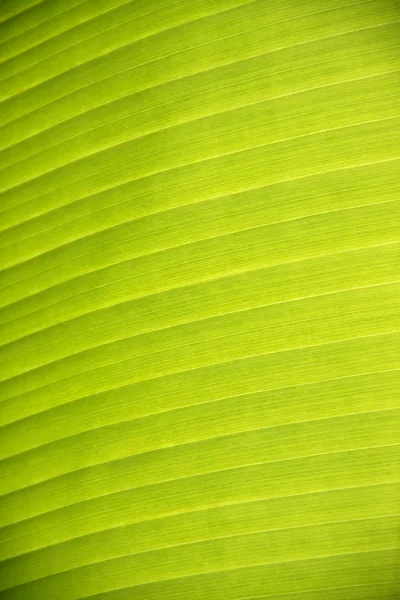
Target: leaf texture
[[199, 306]]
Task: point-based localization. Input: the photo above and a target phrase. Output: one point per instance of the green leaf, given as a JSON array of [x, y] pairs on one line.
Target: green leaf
[[199, 305]]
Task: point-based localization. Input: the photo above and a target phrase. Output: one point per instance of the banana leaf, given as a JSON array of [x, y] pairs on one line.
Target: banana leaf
[[199, 299]]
